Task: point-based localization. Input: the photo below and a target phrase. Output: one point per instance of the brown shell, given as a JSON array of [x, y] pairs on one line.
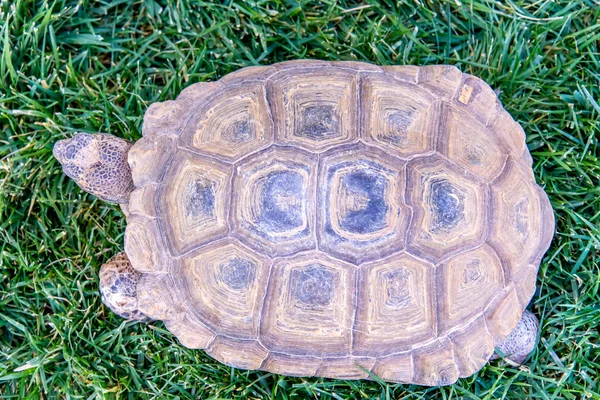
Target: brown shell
[[316, 218]]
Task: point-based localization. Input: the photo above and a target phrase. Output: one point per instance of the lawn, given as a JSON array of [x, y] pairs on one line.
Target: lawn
[[70, 66]]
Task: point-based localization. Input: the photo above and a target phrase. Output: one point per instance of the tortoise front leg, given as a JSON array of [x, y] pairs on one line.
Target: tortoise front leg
[[521, 341], [118, 286]]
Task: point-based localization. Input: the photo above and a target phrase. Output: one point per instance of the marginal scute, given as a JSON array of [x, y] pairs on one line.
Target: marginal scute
[[157, 299], [396, 305], [475, 97], [473, 347], [525, 283], [346, 367], [246, 354], [406, 73], [503, 316], [163, 119], [465, 286], [273, 201], [226, 284], [357, 65], [395, 368], [143, 202], [309, 307], [518, 223], [449, 208], [470, 144], [190, 332], [548, 224], [148, 159], [125, 209], [145, 246], [199, 93], [360, 204], [399, 117], [253, 73], [297, 64], [509, 132], [441, 80], [194, 201], [434, 364], [290, 365], [315, 109]]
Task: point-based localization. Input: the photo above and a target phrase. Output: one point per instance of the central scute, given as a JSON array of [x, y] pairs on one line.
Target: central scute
[[363, 202]]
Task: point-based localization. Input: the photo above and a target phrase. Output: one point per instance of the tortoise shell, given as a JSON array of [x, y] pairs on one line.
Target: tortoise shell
[[337, 219]]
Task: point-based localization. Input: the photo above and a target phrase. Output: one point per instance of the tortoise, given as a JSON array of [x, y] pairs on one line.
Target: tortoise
[[332, 219]]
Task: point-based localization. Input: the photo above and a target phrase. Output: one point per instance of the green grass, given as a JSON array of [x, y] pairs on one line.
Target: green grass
[[69, 66]]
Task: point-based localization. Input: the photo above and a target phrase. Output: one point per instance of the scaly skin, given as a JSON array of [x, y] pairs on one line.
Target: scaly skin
[[98, 164], [118, 286], [521, 341]]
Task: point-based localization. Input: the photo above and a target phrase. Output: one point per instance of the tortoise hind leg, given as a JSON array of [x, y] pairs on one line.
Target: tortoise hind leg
[[521, 341], [118, 286]]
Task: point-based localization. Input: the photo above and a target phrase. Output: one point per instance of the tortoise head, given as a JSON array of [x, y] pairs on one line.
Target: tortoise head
[[98, 164], [76, 154]]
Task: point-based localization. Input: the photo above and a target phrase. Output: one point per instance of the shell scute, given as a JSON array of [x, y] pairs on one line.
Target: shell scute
[[466, 284], [273, 201], [361, 210], [309, 287], [520, 226], [396, 305], [450, 208], [246, 354], [163, 119], [193, 202], [475, 96], [315, 109], [467, 142], [398, 117], [434, 365], [235, 123], [226, 285]]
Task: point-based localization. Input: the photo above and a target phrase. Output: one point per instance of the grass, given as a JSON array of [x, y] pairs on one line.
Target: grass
[[69, 66]]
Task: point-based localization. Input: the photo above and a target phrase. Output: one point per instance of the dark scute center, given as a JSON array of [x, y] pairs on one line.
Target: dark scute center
[[201, 199], [397, 288], [282, 202], [447, 202], [371, 217], [472, 274], [240, 131], [313, 286], [397, 127], [318, 122], [237, 272]]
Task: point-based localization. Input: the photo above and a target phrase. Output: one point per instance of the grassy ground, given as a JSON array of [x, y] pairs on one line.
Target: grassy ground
[[72, 66]]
